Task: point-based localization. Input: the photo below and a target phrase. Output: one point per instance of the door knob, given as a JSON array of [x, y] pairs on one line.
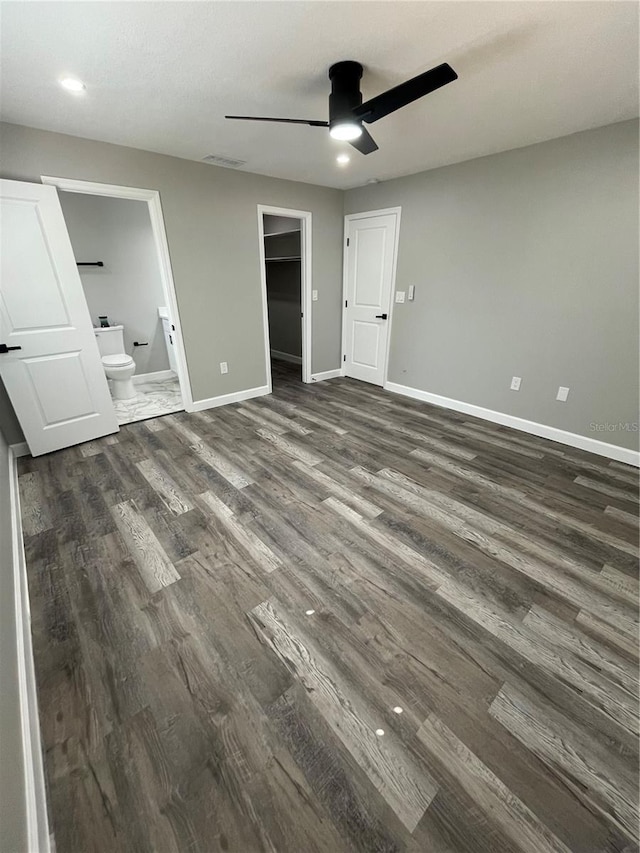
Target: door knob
[[4, 348], [381, 316]]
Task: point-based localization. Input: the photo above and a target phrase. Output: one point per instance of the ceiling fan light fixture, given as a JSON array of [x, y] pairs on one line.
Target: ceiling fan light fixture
[[347, 111], [72, 84], [345, 131]]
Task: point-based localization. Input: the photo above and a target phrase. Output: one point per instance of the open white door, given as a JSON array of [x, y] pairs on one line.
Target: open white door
[[49, 359], [369, 278]]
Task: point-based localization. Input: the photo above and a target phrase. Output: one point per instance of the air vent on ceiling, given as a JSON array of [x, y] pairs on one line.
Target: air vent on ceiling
[[227, 162]]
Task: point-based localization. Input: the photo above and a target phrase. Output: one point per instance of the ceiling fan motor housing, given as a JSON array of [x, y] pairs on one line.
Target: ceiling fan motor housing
[[345, 90]]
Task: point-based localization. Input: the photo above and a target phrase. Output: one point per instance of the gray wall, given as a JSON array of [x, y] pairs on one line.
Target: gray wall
[[283, 300], [128, 289], [13, 829], [9, 425], [277, 224], [212, 230], [525, 263], [284, 284]]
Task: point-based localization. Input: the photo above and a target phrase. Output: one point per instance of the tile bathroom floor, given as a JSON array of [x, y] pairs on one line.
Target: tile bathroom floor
[[153, 398]]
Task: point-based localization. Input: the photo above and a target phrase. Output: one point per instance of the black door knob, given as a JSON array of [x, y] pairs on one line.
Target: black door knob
[[4, 348], [381, 316]]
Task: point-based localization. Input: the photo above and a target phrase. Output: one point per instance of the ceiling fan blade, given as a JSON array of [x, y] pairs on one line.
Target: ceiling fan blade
[[365, 144], [285, 120], [393, 99]]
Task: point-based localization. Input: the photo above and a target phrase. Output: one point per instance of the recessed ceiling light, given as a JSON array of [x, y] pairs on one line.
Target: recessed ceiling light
[[346, 130], [72, 85], [343, 159], [379, 732]]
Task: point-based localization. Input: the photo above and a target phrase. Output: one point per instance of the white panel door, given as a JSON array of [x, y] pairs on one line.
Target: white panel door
[[49, 359], [369, 281]]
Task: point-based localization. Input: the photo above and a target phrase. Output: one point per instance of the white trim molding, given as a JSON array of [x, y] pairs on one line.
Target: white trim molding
[[326, 374], [234, 397], [152, 198], [286, 356], [306, 284], [35, 790], [582, 442]]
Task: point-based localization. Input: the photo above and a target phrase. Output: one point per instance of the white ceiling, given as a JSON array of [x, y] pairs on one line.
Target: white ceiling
[[161, 75]]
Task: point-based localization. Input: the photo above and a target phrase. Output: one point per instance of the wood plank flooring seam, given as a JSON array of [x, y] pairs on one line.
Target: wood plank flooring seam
[[334, 620]]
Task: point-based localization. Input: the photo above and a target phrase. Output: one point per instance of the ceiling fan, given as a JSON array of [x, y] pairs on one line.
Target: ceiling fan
[[347, 112]]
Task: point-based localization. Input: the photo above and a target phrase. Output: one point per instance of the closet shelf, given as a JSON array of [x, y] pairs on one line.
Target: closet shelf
[[280, 233], [285, 258]]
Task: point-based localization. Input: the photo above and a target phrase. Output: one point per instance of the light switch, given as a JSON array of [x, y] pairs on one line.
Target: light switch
[[515, 383], [412, 292], [562, 394], [224, 367], [314, 295], [399, 295]]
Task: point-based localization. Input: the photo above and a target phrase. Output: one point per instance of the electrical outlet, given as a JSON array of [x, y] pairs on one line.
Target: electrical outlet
[[314, 295], [399, 295], [412, 292], [224, 367], [562, 394], [515, 383]]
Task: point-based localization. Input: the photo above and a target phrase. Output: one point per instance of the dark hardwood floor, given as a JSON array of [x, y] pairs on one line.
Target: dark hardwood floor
[[334, 619]]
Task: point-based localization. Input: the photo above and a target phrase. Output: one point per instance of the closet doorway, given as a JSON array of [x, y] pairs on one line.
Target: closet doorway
[[285, 261]]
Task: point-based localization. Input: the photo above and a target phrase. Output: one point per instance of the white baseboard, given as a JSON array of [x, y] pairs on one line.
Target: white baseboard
[[286, 356], [35, 791], [156, 376], [20, 449], [225, 399], [583, 442], [326, 374]]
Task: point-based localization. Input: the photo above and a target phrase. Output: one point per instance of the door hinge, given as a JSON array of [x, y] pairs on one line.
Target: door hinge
[[302, 313], [344, 358], [347, 241], [346, 302]]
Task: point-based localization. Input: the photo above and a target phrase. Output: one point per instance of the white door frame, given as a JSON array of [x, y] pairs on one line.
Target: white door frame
[[305, 284], [152, 198], [365, 215]]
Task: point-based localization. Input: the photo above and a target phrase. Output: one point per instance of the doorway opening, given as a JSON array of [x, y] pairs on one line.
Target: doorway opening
[[118, 240], [285, 256]]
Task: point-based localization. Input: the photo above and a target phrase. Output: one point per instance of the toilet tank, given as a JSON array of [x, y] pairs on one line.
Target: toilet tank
[[110, 340]]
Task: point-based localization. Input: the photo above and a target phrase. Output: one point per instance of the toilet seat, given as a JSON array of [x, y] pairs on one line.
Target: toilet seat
[[121, 360]]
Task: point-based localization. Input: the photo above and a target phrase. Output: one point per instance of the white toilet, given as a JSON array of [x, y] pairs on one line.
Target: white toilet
[[118, 366]]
